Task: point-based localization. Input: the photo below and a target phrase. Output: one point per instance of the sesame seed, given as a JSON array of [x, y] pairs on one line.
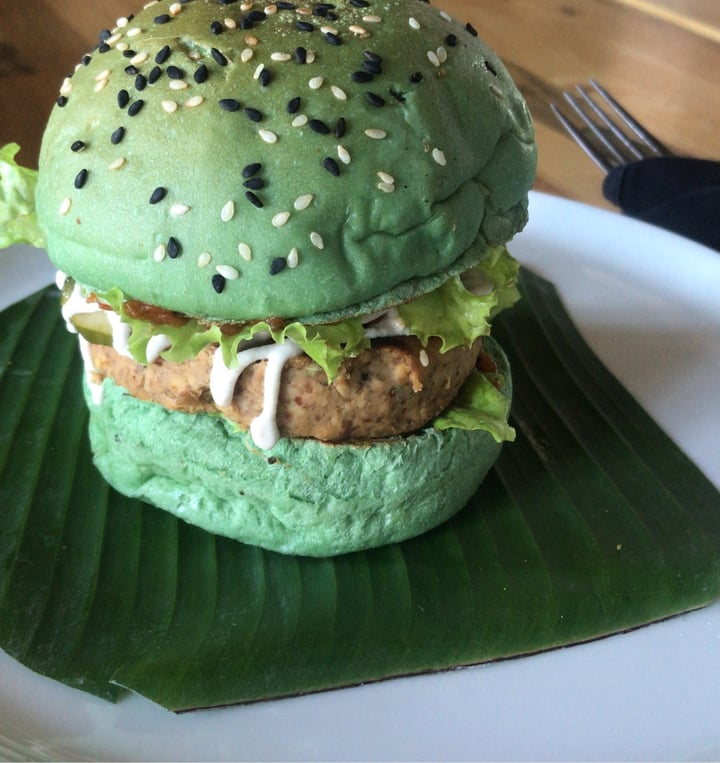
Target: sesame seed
[[253, 114], [162, 55], [305, 26], [173, 248], [332, 38], [303, 202], [372, 19], [343, 155], [178, 84], [386, 187], [254, 184], [169, 106], [317, 240], [301, 55], [81, 179], [244, 251], [158, 195], [246, 55], [160, 252], [280, 219], [318, 126], [218, 283], [268, 136], [442, 54], [65, 205], [155, 74], [77, 145], [375, 133], [271, 10], [386, 178], [316, 83], [228, 272], [293, 105], [357, 30], [414, 23], [135, 107], [216, 28], [104, 74], [340, 127], [424, 359], [372, 66], [230, 23], [118, 163], [200, 74], [164, 18], [451, 40], [194, 101], [175, 9], [311, 56], [496, 90], [282, 57], [265, 77], [251, 40], [179, 209], [253, 199], [228, 211], [416, 77], [339, 93], [361, 76], [134, 32], [123, 98], [446, 15], [277, 265], [229, 104], [251, 169], [66, 86], [258, 71], [117, 135], [292, 258], [360, 3], [470, 28], [300, 121], [204, 259], [62, 101], [374, 99], [219, 57], [433, 58], [122, 22], [138, 59], [439, 157], [175, 72]]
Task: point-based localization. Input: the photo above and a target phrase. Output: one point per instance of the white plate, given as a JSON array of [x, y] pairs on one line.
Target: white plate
[[649, 303]]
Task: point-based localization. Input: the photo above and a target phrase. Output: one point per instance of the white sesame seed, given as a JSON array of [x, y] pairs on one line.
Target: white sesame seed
[[433, 58], [496, 90], [101, 85], [280, 56], [230, 23], [386, 187], [303, 202], [339, 93], [246, 55], [414, 23], [204, 259], [343, 155], [228, 211], [160, 252], [300, 120], [228, 271], [270, 10], [66, 86], [310, 57], [118, 163], [178, 84], [134, 32], [113, 39], [179, 209], [250, 39], [268, 136], [375, 133], [258, 71], [317, 240], [442, 54], [151, 3], [122, 22], [122, 47], [303, 12], [194, 101], [316, 83], [439, 157], [446, 16], [65, 205], [169, 106], [244, 251], [175, 9], [328, 30], [424, 359], [138, 59], [104, 74], [385, 177], [292, 258], [246, 6], [280, 219], [372, 19], [358, 30]]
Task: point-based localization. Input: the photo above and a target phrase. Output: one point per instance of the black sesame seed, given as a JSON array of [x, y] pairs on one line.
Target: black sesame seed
[[332, 16], [320, 10], [105, 35], [129, 53], [253, 114], [416, 77], [265, 77], [229, 104], [277, 265], [293, 105], [86, 59], [247, 24], [301, 55], [369, 55], [117, 136], [81, 179], [155, 74], [470, 28], [219, 57], [173, 248], [451, 40], [360, 3], [162, 55], [332, 38], [217, 28], [135, 107], [305, 26], [490, 68], [340, 127], [62, 101], [77, 145], [251, 169], [123, 98], [201, 74], [256, 16], [158, 195], [140, 82], [360, 76], [286, 6], [218, 283], [374, 67], [318, 126], [254, 184], [253, 199], [175, 72], [163, 18], [103, 47], [132, 70], [331, 166], [374, 99]]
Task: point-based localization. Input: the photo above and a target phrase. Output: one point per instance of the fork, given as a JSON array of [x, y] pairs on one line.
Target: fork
[[611, 137]]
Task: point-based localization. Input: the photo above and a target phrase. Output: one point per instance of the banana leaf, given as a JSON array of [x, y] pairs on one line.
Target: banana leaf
[[591, 523]]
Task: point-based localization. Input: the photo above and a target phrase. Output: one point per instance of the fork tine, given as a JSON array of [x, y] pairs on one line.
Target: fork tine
[[647, 137], [590, 123], [580, 139]]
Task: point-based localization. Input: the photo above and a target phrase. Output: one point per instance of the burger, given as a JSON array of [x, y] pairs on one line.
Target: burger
[[280, 233]]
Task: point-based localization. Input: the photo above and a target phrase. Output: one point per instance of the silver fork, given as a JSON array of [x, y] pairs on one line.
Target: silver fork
[[604, 130]]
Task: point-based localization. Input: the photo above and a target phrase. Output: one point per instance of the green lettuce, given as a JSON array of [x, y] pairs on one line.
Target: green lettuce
[[18, 222]]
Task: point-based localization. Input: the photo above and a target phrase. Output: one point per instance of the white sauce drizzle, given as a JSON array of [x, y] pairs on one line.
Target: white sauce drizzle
[[96, 388], [387, 323]]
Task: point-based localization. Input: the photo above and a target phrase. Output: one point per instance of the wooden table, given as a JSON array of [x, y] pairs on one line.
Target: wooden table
[[661, 58]]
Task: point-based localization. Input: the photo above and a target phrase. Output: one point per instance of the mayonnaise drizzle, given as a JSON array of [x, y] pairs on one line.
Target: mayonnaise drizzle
[[387, 323]]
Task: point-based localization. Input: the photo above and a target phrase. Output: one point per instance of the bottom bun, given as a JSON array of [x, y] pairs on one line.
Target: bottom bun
[[302, 497]]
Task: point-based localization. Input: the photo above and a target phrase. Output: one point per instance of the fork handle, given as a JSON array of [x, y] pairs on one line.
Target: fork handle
[[676, 193]]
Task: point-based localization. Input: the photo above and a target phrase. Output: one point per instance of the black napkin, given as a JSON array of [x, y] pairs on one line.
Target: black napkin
[[678, 194]]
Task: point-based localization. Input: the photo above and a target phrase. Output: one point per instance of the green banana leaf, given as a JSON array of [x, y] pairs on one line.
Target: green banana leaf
[[592, 522]]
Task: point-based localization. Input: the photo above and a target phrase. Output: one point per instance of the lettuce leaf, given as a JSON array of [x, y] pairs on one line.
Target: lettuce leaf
[[479, 405], [18, 222]]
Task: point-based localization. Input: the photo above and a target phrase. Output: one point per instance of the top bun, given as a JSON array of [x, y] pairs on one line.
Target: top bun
[[393, 150]]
